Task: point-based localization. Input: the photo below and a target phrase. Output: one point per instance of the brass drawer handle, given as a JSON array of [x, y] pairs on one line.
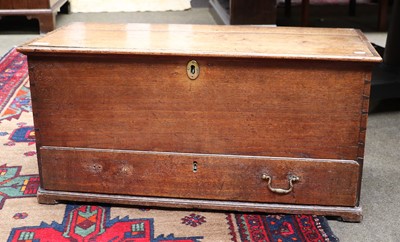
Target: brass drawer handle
[[292, 178]]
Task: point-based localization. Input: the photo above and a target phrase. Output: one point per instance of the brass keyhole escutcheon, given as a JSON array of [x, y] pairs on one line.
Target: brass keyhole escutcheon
[[193, 69], [195, 168]]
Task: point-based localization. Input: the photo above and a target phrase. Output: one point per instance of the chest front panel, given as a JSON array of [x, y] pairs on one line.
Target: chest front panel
[[266, 108]]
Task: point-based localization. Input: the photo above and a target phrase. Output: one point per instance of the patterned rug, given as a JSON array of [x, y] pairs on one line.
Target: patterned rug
[[23, 219]]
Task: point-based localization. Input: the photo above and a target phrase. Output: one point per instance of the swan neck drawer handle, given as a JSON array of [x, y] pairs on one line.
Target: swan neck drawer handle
[[292, 178]]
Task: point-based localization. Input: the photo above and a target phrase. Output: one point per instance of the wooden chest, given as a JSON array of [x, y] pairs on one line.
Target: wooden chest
[[212, 117]]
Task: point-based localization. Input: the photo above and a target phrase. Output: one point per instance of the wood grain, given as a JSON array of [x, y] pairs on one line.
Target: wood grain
[[194, 40], [219, 177], [117, 119], [348, 214], [150, 104], [24, 4]]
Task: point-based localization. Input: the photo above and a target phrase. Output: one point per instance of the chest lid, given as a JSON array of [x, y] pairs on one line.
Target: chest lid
[[206, 40]]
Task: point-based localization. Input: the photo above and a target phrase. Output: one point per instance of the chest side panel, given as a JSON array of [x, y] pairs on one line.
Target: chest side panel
[[269, 108]]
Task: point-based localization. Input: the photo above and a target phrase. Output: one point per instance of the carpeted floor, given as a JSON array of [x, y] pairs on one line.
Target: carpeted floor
[[23, 219]]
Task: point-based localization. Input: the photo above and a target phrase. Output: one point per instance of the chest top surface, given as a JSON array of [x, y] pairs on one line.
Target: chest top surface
[[206, 40]]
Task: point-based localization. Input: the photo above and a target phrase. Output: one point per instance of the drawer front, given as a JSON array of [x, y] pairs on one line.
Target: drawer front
[[197, 176]]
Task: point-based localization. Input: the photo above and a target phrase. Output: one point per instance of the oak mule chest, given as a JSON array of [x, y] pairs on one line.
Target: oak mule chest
[[214, 117]]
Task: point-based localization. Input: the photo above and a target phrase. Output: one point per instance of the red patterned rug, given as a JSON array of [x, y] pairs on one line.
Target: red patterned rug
[[23, 219]]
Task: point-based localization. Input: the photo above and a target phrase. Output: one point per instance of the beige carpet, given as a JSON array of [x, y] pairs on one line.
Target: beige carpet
[[97, 6]]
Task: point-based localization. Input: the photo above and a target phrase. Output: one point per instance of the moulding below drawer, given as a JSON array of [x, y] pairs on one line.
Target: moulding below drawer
[[348, 214]]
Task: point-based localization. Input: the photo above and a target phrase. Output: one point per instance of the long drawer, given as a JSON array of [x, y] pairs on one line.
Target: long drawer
[[200, 176]]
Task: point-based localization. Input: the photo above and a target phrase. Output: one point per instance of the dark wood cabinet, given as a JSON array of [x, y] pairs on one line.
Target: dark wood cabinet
[[43, 10], [242, 12]]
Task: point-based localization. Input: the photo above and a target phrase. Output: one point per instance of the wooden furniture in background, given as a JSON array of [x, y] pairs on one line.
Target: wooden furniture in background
[[211, 117], [305, 12], [242, 12], [386, 78], [43, 10]]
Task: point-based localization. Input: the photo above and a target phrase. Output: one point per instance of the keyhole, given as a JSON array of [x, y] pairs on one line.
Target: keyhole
[[192, 69], [194, 166]]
